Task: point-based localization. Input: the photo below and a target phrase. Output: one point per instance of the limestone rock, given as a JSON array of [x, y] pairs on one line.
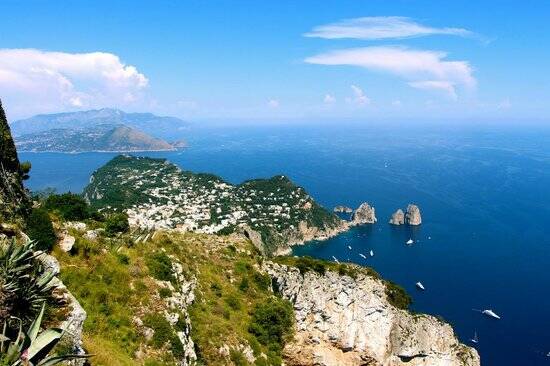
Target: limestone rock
[[398, 217], [346, 321], [343, 209], [66, 243], [364, 214], [412, 217]]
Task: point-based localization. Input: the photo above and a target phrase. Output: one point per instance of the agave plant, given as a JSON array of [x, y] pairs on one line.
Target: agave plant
[[24, 286], [31, 348]]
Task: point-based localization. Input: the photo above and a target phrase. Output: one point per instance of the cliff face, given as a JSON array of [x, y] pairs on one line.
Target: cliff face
[[345, 321], [14, 201], [364, 215], [412, 217]]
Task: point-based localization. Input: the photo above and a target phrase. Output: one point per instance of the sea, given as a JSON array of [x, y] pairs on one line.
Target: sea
[[483, 190]]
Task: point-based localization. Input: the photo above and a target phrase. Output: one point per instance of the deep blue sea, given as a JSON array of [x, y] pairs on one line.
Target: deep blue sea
[[484, 192]]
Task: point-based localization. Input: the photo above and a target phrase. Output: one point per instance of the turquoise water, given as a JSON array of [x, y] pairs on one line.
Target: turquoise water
[[483, 191]]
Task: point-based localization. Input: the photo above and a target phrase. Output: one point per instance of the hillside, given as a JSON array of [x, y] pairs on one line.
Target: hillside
[[157, 126], [155, 194], [118, 138], [14, 202]]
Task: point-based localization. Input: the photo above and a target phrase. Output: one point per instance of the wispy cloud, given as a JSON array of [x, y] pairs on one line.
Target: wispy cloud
[[55, 81], [273, 103], [359, 98], [329, 99], [421, 68], [437, 85], [372, 28]]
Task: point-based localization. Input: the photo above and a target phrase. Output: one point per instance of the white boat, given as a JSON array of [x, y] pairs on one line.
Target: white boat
[[420, 286], [371, 253], [491, 313], [362, 256], [410, 241], [336, 260], [349, 247], [475, 340], [429, 238]]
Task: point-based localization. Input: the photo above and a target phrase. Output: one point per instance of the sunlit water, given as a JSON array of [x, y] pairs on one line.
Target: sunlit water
[[484, 195]]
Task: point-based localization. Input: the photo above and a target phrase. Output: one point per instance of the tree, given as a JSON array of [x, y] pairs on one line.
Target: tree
[[69, 206], [40, 229]]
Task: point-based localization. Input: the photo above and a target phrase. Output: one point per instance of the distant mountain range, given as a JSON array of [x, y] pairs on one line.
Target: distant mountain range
[[168, 128], [105, 137]]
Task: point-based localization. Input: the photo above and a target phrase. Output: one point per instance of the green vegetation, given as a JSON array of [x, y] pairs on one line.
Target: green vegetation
[[25, 287], [160, 266], [164, 334], [25, 169], [33, 347], [116, 223], [68, 206], [397, 296], [272, 322], [320, 266], [40, 229]]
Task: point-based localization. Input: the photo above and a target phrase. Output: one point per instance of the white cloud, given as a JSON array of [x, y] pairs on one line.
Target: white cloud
[[329, 99], [437, 85], [359, 98], [504, 104], [396, 103], [370, 28], [412, 65], [273, 103], [41, 81]]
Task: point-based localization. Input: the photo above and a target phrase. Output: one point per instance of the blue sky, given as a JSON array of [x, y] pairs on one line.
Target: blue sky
[[278, 59]]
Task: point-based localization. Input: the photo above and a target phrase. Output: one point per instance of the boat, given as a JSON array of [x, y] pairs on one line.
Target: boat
[[362, 256], [371, 253], [410, 241], [349, 247], [336, 260], [490, 313], [475, 340], [420, 286]]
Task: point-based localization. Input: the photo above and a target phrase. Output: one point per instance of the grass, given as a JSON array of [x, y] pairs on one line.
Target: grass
[[116, 282]]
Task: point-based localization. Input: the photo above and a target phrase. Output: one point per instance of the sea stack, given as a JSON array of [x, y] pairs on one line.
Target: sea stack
[[398, 217], [342, 209], [412, 216], [363, 215]]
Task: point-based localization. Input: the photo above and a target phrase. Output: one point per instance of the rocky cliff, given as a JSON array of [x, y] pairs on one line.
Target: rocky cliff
[[413, 217], [345, 321], [14, 201], [364, 214], [398, 217]]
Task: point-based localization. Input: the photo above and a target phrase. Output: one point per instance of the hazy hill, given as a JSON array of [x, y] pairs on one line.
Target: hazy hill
[[97, 138], [161, 127]]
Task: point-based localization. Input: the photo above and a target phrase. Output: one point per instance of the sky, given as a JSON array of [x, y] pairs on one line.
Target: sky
[[270, 60]]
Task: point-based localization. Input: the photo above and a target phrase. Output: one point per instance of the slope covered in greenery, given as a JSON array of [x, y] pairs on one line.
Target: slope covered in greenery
[[157, 194]]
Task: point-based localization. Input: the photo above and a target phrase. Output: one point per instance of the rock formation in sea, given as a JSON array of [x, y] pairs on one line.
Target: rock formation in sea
[[343, 209], [348, 321], [398, 217], [412, 217], [364, 214]]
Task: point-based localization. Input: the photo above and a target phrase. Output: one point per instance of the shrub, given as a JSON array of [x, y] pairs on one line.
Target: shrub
[[397, 296], [243, 285], [69, 206], [165, 292], [163, 334], [25, 168], [116, 223], [272, 322], [233, 302], [40, 229], [263, 281], [160, 266]]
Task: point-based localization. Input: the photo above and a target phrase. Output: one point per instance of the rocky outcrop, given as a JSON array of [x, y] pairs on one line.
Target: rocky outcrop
[[364, 214], [307, 233], [14, 201], [76, 315], [412, 217], [398, 217], [346, 321], [342, 209]]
